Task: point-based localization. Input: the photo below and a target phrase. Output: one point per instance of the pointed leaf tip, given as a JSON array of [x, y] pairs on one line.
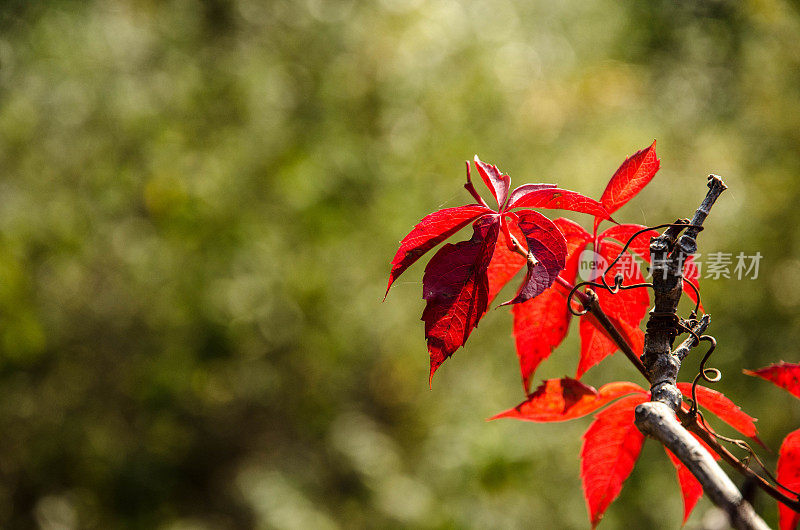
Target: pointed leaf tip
[[497, 182], [784, 375], [428, 233], [611, 447], [691, 489], [630, 178]]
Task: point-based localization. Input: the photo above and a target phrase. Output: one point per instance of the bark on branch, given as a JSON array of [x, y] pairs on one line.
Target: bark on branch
[[657, 419], [661, 367], [689, 422]]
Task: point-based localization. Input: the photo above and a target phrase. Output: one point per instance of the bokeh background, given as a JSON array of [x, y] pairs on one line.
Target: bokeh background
[[198, 206]]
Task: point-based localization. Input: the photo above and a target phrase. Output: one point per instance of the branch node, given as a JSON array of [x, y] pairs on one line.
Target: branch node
[[667, 393]]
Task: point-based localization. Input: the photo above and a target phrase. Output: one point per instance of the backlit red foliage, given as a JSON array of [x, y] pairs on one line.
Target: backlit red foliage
[[462, 279]]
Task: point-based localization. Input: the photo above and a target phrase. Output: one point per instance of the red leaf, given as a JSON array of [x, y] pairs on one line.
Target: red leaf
[[597, 344], [497, 182], [429, 232], [456, 287], [691, 489], [725, 409], [540, 324], [567, 399], [630, 305], [548, 247], [630, 178], [640, 245], [575, 236], [789, 476], [524, 190], [784, 375], [625, 309], [557, 198], [610, 449]]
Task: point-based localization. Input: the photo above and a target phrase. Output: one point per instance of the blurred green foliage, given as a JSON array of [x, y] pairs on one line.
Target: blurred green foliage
[[200, 200]]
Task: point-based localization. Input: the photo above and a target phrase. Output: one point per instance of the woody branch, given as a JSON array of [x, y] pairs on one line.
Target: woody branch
[[667, 295], [657, 418]]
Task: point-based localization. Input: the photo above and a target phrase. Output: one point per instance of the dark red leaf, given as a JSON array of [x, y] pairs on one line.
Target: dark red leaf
[[549, 248], [784, 375], [722, 407], [789, 476], [557, 198], [640, 245], [497, 182], [429, 232], [540, 324], [456, 287], [610, 449], [630, 178], [567, 399]]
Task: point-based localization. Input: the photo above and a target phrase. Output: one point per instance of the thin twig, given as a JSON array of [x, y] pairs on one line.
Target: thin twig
[[691, 424], [594, 308], [592, 304], [686, 346]]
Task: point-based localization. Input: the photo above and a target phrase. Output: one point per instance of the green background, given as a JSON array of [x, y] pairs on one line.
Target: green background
[[199, 202]]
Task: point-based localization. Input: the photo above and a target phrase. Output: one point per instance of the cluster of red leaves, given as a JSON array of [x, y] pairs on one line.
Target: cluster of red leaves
[[786, 376], [462, 279], [540, 325], [612, 443]]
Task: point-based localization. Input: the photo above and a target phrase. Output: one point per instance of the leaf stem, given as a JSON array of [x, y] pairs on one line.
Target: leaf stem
[[516, 247]]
